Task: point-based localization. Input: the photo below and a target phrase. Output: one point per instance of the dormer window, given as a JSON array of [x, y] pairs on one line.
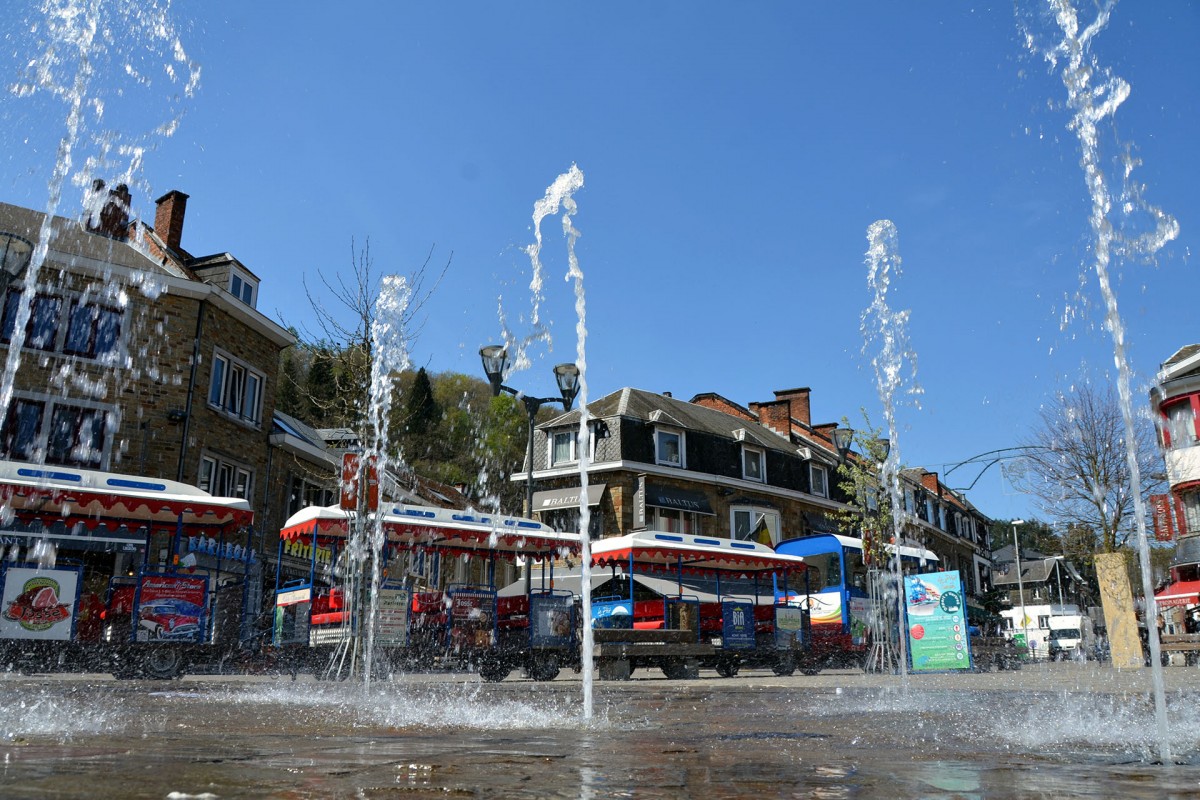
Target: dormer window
[[243, 287], [754, 467], [668, 447], [818, 480]]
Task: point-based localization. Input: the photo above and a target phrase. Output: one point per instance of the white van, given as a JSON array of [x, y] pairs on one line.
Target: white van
[[1071, 637]]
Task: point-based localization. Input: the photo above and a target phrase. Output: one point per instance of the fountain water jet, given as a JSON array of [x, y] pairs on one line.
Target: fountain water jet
[[1094, 94], [888, 329]]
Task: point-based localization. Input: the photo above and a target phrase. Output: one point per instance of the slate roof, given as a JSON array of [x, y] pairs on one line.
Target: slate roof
[[642, 405]]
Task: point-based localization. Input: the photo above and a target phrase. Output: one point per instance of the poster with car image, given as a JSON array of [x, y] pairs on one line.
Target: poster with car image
[[938, 639], [171, 608], [38, 603]]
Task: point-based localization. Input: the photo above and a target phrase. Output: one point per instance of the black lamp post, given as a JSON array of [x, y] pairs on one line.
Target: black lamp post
[[496, 365], [842, 439]]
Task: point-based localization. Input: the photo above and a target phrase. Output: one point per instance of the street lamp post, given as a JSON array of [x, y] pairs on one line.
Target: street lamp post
[[496, 365], [1020, 584]]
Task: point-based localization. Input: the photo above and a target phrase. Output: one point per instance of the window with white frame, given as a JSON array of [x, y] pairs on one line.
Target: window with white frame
[[672, 520], [243, 287], [564, 445], [56, 432], [305, 493], [1191, 511], [754, 464], [1181, 423], [668, 447], [754, 523], [818, 480], [69, 324], [236, 388], [221, 477]]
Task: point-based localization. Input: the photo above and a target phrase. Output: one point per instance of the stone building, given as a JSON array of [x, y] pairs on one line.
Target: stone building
[[1176, 402], [137, 357]]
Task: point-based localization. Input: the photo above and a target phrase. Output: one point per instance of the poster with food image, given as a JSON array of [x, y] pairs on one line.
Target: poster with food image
[[171, 608], [38, 603]]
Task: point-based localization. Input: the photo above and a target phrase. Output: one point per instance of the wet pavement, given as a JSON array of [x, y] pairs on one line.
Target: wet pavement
[[1049, 730]]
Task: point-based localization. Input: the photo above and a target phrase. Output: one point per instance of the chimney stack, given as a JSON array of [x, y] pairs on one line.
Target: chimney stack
[[168, 217], [113, 217], [797, 400]]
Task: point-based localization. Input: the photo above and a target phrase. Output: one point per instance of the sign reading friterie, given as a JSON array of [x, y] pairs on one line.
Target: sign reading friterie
[[938, 638]]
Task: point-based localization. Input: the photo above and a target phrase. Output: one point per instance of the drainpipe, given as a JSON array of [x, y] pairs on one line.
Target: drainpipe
[[187, 411]]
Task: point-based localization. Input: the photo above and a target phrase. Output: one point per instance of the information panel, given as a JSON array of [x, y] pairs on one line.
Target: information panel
[[938, 639], [391, 627], [737, 625]]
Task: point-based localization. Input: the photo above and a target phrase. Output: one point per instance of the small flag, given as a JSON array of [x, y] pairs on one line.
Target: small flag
[[761, 533]]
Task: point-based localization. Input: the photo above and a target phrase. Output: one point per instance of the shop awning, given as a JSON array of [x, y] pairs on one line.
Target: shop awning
[[1180, 593], [678, 499], [692, 553], [559, 499]]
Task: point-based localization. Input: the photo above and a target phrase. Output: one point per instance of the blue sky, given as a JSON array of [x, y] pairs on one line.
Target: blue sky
[[734, 156]]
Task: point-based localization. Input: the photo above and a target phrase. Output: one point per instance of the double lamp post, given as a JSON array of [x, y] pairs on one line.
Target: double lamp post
[[496, 364]]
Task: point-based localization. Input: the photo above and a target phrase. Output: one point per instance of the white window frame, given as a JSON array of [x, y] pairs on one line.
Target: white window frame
[[231, 385], [753, 513], [659, 458], [68, 302], [672, 520], [813, 471], [747, 452], [41, 443], [241, 284], [215, 469], [572, 434]]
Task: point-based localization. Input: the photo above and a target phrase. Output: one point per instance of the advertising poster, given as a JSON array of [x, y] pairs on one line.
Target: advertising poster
[[472, 617], [789, 627], [737, 625], [550, 616], [860, 619], [38, 603], [938, 639], [171, 608], [391, 626]]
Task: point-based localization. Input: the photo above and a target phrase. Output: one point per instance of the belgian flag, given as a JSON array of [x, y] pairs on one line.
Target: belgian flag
[[761, 533]]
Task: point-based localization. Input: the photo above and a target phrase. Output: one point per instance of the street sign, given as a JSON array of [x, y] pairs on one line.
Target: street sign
[[352, 478]]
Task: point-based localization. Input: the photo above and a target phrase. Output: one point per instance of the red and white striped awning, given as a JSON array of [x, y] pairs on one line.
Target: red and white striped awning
[[694, 554], [91, 498], [410, 526]]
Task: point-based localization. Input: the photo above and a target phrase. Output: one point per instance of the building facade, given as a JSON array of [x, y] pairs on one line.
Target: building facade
[[1176, 402], [713, 467]]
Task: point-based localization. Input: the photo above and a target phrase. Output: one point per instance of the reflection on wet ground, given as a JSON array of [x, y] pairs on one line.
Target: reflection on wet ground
[[1046, 731]]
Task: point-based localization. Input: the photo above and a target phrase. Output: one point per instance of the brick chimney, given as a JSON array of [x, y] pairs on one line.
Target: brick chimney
[[774, 414], [797, 400], [113, 218], [929, 480], [824, 432], [168, 217]]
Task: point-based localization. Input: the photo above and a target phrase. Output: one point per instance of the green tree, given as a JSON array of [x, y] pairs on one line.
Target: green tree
[[870, 504]]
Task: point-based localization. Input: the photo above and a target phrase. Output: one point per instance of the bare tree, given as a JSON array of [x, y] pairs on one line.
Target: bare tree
[[1075, 464], [338, 341]]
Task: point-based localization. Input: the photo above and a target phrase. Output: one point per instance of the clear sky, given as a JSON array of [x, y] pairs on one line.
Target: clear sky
[[734, 156]]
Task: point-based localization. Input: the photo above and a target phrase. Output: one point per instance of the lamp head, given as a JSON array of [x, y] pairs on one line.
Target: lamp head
[[842, 439], [495, 365], [567, 376]]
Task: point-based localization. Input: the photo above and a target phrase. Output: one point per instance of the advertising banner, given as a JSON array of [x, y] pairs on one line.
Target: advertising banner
[[171, 608], [550, 616], [789, 627], [472, 617], [391, 626], [938, 638], [737, 625], [38, 603]]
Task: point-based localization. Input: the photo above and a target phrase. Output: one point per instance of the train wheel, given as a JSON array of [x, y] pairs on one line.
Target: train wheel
[[727, 667], [784, 667], [543, 667], [162, 663], [493, 669]]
